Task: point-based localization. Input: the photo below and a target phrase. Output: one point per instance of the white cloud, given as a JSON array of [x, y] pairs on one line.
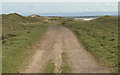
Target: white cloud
[[107, 4], [97, 4], [31, 7], [86, 9]]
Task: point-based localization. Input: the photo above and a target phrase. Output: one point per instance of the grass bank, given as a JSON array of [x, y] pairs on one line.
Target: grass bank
[[17, 39], [100, 37]]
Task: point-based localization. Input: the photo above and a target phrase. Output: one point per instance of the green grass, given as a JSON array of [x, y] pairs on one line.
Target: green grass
[[65, 68], [17, 42], [18, 38], [64, 57], [105, 31], [19, 34], [17, 49], [50, 67]]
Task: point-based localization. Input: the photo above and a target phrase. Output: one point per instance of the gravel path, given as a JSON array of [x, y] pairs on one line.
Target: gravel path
[[60, 39]]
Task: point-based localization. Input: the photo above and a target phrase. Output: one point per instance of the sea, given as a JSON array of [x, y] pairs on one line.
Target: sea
[[87, 19]]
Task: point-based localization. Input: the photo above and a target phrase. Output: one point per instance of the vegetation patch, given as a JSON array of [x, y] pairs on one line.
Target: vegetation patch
[[50, 67], [100, 37], [19, 33], [17, 40], [65, 68]]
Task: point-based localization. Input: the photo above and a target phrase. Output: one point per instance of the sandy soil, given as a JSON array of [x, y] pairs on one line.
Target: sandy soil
[[56, 40]]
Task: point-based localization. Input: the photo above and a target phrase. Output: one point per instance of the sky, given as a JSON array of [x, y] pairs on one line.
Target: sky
[[59, 0], [44, 8]]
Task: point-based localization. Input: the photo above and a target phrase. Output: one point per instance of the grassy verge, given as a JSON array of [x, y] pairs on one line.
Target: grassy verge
[[17, 48], [18, 35], [65, 68], [100, 37], [103, 57], [50, 67]]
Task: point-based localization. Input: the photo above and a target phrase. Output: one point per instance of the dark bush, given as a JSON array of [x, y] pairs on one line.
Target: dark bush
[[103, 37], [112, 39], [93, 36], [63, 23], [112, 32], [101, 44], [28, 31], [11, 35]]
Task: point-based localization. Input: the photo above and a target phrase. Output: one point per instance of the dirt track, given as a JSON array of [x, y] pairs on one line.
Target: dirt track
[[59, 39]]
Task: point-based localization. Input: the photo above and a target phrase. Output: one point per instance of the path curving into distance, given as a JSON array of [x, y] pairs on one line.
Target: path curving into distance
[[59, 39]]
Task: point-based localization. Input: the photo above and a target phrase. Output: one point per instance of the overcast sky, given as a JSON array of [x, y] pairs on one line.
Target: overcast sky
[[60, 0], [58, 6], [61, 7]]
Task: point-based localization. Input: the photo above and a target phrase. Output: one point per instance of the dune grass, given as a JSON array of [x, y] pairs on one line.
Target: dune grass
[[17, 40], [17, 49], [100, 37]]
